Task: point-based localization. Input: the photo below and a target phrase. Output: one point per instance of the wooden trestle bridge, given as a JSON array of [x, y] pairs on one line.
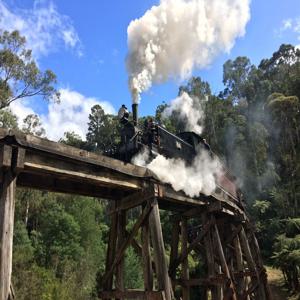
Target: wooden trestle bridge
[[224, 240]]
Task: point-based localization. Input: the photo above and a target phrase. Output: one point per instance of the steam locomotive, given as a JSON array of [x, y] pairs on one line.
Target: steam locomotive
[[160, 141]]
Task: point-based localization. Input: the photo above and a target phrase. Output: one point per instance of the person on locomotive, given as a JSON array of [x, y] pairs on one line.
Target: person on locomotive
[[123, 114]]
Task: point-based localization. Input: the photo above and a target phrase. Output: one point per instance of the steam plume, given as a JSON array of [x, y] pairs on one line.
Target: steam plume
[[199, 177], [189, 110], [178, 35]]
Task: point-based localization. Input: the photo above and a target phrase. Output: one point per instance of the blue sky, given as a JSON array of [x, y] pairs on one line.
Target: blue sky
[[85, 44]]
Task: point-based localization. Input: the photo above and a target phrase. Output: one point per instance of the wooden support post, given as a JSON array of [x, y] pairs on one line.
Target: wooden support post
[[121, 237], [219, 286], [10, 165], [185, 265], [174, 250], [146, 257], [111, 248], [262, 271], [127, 241], [241, 287], [159, 252], [230, 288], [251, 264], [209, 256]]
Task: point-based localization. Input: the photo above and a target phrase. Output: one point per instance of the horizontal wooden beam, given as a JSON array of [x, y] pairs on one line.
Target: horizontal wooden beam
[[52, 184], [136, 199], [216, 280], [47, 147], [132, 294], [71, 170]]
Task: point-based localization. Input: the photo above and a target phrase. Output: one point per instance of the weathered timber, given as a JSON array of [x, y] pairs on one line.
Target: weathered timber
[[67, 152], [209, 255], [127, 241], [251, 264], [185, 263], [121, 238], [7, 207], [136, 199], [146, 257], [133, 294], [159, 252], [230, 287], [190, 247], [174, 250], [241, 285], [111, 249]]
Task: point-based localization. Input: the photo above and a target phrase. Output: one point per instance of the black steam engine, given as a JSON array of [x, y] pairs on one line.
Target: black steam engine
[[156, 138], [160, 141]]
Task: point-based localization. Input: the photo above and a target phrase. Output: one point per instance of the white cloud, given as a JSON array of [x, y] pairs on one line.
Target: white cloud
[[292, 25], [45, 29], [71, 114], [21, 109]]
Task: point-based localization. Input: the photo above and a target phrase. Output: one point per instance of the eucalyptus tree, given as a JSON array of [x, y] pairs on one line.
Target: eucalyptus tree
[[20, 76]]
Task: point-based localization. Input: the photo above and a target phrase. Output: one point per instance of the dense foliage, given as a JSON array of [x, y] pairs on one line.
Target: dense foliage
[[253, 125]]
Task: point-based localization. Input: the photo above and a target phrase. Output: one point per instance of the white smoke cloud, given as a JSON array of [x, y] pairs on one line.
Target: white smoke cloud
[[176, 36], [71, 114], [198, 177], [189, 110]]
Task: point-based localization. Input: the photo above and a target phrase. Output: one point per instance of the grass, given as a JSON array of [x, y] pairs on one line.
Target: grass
[[278, 288]]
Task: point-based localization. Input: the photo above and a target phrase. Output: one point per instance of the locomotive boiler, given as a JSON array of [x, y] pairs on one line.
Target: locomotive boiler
[[135, 137]]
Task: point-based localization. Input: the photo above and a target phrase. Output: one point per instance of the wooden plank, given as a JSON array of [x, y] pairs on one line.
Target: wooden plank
[[250, 261], [241, 284], [7, 208], [146, 257], [136, 199], [159, 252], [18, 160], [87, 173], [209, 254], [212, 281], [66, 151], [184, 253], [128, 240], [5, 157], [234, 232], [121, 238], [111, 249], [191, 246], [132, 294], [265, 288], [65, 185], [224, 264], [174, 250]]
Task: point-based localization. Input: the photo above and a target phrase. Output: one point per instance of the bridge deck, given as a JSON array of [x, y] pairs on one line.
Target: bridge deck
[[61, 168]]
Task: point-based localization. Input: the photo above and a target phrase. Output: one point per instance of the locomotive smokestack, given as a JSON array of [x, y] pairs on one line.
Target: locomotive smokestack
[[135, 113]]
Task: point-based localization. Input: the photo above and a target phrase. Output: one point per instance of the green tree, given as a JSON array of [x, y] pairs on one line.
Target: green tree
[[19, 75], [8, 119], [103, 131], [33, 125], [73, 139]]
